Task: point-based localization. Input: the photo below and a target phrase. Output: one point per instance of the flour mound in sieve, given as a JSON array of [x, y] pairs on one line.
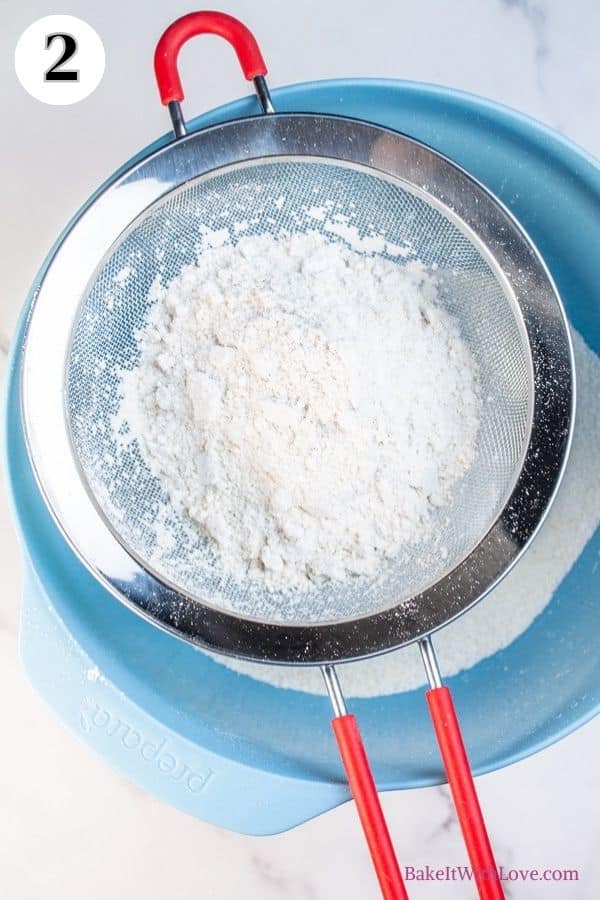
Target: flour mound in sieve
[[306, 405]]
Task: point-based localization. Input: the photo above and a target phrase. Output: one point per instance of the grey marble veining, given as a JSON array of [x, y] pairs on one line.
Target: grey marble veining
[[535, 14]]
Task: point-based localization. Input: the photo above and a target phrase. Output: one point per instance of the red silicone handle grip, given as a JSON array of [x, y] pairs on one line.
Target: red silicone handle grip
[[207, 22], [362, 785], [464, 794]]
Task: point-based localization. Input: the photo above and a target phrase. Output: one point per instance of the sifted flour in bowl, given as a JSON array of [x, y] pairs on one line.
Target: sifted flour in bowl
[[307, 406]]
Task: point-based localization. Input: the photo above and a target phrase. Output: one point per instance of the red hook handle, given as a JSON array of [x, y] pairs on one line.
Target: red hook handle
[[208, 22]]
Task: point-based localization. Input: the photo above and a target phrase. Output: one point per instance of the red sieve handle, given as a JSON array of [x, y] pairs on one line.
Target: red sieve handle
[[362, 785], [208, 22], [466, 803]]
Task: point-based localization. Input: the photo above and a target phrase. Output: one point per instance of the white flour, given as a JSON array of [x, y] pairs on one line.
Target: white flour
[[306, 405], [509, 609]]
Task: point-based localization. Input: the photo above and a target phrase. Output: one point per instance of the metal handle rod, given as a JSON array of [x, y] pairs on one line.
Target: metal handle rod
[[334, 690], [264, 94], [434, 676]]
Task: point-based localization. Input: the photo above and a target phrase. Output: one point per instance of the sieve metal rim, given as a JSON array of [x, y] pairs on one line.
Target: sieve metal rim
[[54, 312]]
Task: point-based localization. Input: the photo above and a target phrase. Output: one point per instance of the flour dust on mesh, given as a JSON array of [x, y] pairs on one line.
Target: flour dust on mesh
[[307, 406]]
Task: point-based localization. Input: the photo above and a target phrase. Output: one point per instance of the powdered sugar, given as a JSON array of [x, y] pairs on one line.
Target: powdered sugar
[[306, 405]]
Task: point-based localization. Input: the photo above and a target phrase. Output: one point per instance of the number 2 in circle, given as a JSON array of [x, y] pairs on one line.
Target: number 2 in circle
[[55, 73]]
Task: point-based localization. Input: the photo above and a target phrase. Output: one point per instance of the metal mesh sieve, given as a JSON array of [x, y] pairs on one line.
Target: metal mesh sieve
[[81, 336], [275, 197]]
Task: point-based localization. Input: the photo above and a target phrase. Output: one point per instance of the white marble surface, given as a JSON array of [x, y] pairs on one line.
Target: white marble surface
[[70, 827]]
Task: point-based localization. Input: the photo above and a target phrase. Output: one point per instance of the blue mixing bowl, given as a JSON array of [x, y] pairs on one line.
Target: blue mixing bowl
[[242, 754]]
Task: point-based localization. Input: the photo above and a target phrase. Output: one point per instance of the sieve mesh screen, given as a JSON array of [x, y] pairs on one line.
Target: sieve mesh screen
[[272, 197]]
